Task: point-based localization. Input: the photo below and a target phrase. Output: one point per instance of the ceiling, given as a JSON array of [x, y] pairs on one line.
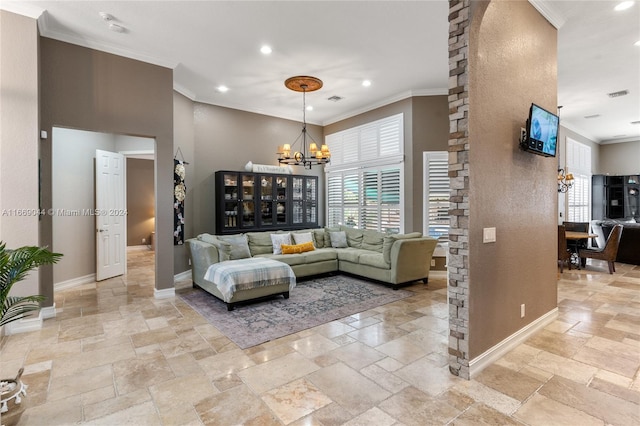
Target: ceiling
[[400, 46]]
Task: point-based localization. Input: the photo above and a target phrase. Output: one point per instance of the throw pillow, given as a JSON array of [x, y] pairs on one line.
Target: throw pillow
[[338, 239], [277, 240], [297, 248], [239, 246], [302, 237], [224, 249]]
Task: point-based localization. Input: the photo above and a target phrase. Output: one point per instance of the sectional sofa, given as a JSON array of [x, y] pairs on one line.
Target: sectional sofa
[[393, 259]]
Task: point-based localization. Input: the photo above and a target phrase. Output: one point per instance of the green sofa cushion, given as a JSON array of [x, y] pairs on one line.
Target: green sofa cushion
[[223, 247], [260, 242], [372, 240], [354, 236], [320, 255], [239, 246], [373, 259]]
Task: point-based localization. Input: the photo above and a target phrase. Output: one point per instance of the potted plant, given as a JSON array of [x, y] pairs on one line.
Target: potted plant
[[14, 267]]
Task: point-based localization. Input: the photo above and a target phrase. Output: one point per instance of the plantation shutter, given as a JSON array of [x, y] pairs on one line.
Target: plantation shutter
[[365, 178], [578, 199], [437, 194]]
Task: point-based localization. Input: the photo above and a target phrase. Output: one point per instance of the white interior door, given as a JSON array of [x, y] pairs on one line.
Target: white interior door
[[110, 215]]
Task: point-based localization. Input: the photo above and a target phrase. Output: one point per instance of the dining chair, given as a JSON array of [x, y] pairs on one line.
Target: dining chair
[[608, 252], [564, 255]]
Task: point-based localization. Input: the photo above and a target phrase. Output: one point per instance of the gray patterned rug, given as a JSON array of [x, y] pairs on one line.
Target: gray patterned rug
[[312, 302]]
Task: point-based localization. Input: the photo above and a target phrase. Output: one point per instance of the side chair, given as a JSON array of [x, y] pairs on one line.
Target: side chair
[[608, 252]]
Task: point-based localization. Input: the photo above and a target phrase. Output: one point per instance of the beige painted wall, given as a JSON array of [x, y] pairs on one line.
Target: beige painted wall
[[19, 139], [91, 90], [512, 63], [140, 201], [226, 139], [620, 158]]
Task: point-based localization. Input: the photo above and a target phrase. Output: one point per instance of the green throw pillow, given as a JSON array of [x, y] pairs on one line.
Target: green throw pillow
[[239, 246]]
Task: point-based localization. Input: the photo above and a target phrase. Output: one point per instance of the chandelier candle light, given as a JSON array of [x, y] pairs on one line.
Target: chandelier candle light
[[565, 181], [316, 156]]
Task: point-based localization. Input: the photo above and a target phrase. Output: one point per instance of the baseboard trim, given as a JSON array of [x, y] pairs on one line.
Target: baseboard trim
[[142, 247], [490, 356], [186, 275], [165, 293], [24, 325], [48, 312], [438, 274], [74, 282]]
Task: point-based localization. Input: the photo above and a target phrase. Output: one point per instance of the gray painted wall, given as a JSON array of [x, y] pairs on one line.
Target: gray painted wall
[[620, 158]]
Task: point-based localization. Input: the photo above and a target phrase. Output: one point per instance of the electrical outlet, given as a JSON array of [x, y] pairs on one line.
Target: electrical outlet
[[522, 311], [144, 241]]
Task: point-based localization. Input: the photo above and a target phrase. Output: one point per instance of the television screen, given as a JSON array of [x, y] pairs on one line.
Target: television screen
[[542, 131]]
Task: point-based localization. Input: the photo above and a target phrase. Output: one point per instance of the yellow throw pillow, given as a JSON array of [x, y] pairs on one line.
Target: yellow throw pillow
[[297, 248]]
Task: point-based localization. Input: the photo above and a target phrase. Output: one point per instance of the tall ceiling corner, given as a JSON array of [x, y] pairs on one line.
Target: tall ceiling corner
[[550, 13]]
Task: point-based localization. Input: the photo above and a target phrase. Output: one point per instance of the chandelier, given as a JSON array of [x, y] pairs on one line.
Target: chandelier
[[304, 156], [565, 181]]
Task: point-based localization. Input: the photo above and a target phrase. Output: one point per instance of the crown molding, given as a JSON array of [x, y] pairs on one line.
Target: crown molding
[[46, 31], [547, 10], [19, 8], [621, 140]]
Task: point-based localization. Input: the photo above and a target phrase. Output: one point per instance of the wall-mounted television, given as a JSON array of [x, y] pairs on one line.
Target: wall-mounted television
[[541, 134]]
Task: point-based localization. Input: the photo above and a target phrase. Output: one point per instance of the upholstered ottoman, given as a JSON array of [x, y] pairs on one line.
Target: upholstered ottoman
[[248, 279]]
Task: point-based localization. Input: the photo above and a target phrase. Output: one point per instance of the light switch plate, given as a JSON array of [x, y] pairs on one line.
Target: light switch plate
[[489, 235]]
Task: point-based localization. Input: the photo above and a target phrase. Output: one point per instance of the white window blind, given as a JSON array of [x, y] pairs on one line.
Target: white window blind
[[579, 196], [365, 176], [578, 199], [366, 199], [436, 194], [375, 142]]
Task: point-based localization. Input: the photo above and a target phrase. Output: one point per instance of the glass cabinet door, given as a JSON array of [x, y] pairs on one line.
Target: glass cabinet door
[[632, 202], [311, 198], [266, 200], [282, 186], [297, 211], [230, 200], [248, 201]]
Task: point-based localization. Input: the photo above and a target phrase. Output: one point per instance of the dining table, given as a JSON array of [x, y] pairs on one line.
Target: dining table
[[581, 238]]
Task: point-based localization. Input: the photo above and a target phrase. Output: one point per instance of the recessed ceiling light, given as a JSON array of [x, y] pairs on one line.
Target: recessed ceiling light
[[637, 43], [624, 5], [223, 89], [266, 50], [309, 108], [366, 83]]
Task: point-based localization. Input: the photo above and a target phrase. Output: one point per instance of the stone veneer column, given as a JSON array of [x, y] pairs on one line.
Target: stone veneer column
[[458, 263]]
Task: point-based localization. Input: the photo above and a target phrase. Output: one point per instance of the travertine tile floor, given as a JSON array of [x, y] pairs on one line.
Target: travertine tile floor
[[114, 355]]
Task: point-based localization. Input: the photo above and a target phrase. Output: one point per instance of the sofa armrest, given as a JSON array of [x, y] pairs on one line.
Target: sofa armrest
[[202, 256], [411, 259]]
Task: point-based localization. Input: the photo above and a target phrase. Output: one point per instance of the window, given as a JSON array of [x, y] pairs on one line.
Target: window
[[366, 199], [436, 195], [579, 196], [365, 177]]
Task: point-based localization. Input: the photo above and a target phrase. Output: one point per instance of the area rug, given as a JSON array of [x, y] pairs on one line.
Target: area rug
[[311, 303]]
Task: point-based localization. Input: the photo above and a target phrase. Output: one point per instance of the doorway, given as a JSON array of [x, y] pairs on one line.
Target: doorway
[[73, 198]]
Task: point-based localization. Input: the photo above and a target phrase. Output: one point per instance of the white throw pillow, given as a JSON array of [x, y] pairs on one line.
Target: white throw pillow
[[338, 239], [278, 240], [303, 237]]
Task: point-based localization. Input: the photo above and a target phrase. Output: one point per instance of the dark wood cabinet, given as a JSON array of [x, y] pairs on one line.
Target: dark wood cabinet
[[261, 201], [615, 197]]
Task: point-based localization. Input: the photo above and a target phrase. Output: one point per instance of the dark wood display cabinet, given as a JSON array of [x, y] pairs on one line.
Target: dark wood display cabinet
[[615, 197], [261, 201]]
